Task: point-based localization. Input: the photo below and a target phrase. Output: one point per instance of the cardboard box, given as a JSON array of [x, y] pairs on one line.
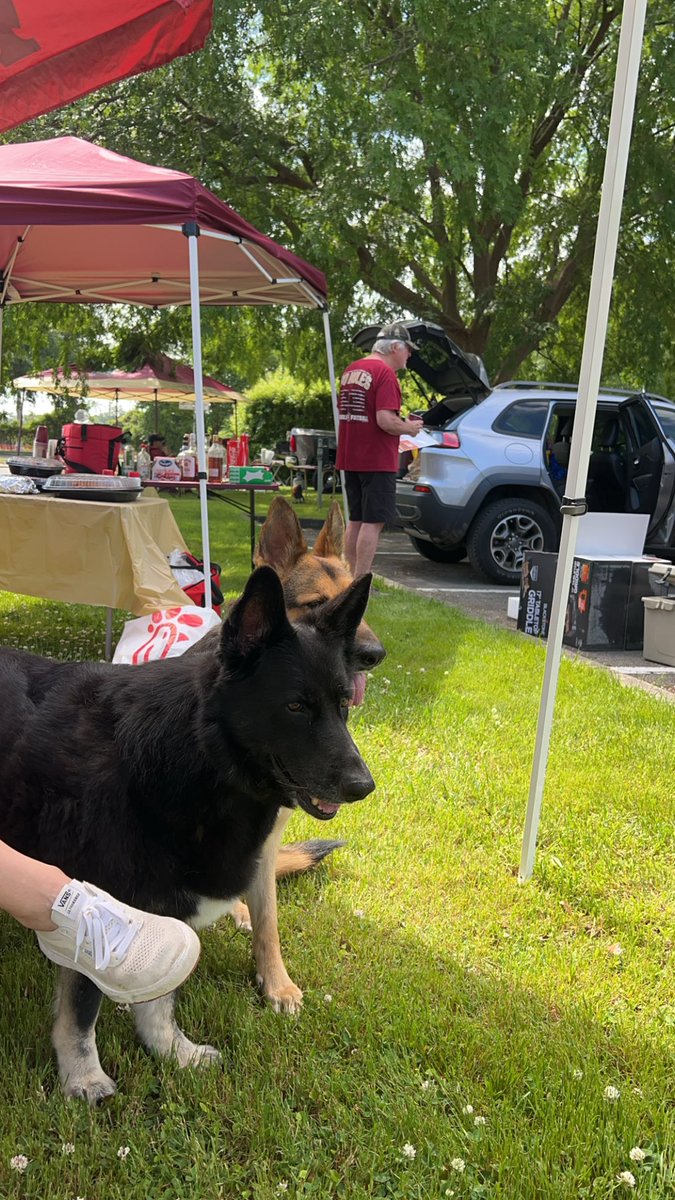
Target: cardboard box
[[604, 607], [249, 475], [536, 593]]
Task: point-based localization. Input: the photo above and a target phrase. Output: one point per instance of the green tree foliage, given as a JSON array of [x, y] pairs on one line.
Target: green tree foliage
[[280, 401], [441, 158]]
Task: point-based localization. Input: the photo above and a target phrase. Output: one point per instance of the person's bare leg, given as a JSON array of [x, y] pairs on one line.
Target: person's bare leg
[[366, 547], [28, 888], [351, 538]]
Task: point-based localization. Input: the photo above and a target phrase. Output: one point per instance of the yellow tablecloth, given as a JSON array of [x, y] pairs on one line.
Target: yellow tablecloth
[[90, 552]]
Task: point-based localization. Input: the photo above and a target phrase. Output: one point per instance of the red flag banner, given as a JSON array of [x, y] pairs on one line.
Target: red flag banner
[[54, 51]]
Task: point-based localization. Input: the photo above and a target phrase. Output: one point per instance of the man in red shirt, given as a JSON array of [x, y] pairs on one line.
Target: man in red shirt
[[369, 407]]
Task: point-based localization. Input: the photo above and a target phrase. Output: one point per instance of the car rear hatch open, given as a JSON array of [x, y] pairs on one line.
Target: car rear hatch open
[[455, 378]]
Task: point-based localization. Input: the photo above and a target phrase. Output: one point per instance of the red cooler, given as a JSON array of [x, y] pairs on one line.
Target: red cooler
[[91, 449]]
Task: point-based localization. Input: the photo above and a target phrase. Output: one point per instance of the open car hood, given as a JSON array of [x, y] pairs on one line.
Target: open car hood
[[455, 377]]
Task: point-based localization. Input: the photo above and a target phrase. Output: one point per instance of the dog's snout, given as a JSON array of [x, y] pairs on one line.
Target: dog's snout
[[370, 656], [356, 784], [368, 652]]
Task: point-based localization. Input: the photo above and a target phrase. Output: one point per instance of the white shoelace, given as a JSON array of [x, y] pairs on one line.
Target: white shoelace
[[108, 929]]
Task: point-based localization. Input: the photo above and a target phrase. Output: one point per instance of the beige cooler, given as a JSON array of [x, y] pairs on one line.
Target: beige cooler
[[659, 643]]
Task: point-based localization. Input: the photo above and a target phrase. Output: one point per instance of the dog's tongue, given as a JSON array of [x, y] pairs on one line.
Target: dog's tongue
[[359, 688]]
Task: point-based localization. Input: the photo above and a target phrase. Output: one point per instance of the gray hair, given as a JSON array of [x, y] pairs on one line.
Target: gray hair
[[386, 345]]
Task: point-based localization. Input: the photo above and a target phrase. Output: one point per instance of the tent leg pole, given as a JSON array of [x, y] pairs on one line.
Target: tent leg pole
[[607, 236], [334, 401], [192, 233]]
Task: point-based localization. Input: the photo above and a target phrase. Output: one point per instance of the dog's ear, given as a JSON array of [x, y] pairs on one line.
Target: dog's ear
[[281, 541], [343, 615], [330, 542], [258, 618]]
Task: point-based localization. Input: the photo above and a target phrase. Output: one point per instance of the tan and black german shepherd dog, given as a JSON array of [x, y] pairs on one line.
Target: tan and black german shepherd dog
[[309, 578]]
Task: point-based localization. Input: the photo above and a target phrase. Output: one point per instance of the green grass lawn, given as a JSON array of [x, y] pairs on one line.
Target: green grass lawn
[[459, 1030]]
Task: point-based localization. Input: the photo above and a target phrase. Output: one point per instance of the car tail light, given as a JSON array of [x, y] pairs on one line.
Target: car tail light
[[292, 443], [421, 487], [450, 439]]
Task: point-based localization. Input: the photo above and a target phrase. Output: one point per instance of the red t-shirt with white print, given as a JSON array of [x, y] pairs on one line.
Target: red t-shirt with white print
[[367, 386]]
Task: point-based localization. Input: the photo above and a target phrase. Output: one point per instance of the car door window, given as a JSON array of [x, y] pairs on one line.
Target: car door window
[[666, 418], [525, 418], [644, 429]]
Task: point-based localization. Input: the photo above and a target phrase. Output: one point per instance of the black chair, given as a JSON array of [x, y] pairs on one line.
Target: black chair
[[607, 472]]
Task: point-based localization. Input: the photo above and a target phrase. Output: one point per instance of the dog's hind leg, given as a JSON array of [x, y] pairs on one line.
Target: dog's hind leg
[[74, 1037], [276, 984], [157, 1030]]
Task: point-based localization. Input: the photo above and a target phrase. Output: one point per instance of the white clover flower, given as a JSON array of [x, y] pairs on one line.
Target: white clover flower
[[328, 999], [577, 1073], [282, 1186], [479, 1120], [611, 1093], [358, 912], [458, 1164], [19, 1163], [423, 670], [626, 1177], [468, 1109], [123, 1151], [67, 1148], [409, 1151], [426, 1084], [637, 1155]]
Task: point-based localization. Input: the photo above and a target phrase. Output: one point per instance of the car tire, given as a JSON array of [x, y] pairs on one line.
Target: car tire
[[501, 535], [439, 554]]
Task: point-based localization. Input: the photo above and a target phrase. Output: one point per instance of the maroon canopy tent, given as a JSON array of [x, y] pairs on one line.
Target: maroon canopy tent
[[162, 381], [82, 225], [53, 52]]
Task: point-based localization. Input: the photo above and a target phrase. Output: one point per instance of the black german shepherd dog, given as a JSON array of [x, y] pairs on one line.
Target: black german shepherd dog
[[161, 784]]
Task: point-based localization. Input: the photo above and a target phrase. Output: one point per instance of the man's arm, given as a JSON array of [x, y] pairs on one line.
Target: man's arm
[[391, 422]]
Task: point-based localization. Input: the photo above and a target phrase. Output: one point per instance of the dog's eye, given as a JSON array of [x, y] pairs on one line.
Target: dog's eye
[[294, 706], [344, 703]]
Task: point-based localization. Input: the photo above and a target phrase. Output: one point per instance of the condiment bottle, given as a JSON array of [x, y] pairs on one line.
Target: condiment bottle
[[215, 461], [144, 462], [187, 460]]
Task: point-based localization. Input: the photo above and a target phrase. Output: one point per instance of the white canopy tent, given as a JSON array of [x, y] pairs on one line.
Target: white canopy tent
[[574, 504]]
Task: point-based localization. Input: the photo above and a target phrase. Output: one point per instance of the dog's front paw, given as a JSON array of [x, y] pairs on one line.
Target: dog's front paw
[[241, 916], [282, 995], [187, 1054], [92, 1088], [205, 1056]]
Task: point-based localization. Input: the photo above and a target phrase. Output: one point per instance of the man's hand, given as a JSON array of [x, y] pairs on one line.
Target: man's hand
[[413, 424], [392, 423]]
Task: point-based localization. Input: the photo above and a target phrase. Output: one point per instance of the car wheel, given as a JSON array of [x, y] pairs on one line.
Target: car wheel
[[439, 554], [502, 534]]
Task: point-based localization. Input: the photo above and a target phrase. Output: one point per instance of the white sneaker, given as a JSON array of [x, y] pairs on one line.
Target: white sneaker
[[130, 955]]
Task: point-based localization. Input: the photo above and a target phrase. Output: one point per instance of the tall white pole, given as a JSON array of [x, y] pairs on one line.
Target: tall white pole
[[192, 237], [334, 400], [573, 506]]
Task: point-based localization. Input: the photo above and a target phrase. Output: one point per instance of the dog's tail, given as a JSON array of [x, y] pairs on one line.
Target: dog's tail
[[302, 856]]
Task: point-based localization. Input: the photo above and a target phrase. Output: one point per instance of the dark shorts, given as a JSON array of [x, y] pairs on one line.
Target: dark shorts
[[371, 496]]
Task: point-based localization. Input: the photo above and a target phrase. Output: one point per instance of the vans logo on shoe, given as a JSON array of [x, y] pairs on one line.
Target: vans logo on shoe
[[67, 901], [64, 898]]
